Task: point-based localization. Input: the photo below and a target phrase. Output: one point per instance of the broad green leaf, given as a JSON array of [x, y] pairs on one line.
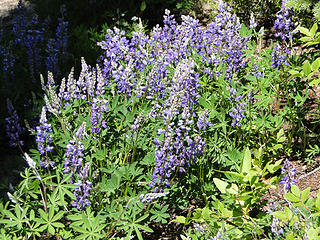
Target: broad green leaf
[[206, 213], [280, 215], [313, 233], [221, 185], [291, 197], [246, 162], [315, 82], [180, 219], [315, 65], [313, 30], [233, 189], [290, 236], [288, 213], [295, 190], [305, 194], [304, 31], [143, 6], [295, 73], [306, 68]]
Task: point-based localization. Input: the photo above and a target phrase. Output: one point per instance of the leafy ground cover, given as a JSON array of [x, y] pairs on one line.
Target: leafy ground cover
[[185, 131]]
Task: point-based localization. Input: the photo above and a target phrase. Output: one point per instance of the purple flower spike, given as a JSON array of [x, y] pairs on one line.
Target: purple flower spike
[[289, 175], [13, 128], [44, 138]]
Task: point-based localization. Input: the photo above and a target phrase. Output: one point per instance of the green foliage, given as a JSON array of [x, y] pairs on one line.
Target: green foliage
[[306, 6], [226, 185], [263, 10], [235, 213]]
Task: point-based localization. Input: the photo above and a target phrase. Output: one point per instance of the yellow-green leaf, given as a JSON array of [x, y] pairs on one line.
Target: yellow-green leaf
[[221, 185], [246, 162]]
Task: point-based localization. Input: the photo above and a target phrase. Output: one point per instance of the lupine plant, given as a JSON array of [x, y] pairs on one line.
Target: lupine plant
[[182, 114]]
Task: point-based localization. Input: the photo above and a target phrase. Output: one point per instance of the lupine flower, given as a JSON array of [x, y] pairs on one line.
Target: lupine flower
[[220, 234], [97, 109], [256, 72], [172, 47], [30, 162], [199, 227], [74, 153], [8, 60], [57, 46], [279, 56], [178, 149], [253, 23], [284, 24], [44, 138], [19, 23], [124, 58], [149, 197], [83, 191], [13, 128], [62, 31], [237, 114], [275, 226], [289, 175]]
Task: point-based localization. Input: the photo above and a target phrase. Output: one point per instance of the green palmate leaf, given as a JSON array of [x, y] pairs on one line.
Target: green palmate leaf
[[221, 185]]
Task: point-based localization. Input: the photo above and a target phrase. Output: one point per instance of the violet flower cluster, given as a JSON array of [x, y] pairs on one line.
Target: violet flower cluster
[[8, 60], [237, 112], [97, 109], [275, 226], [13, 128], [83, 190], [284, 29], [124, 59], [80, 174], [284, 24], [149, 197], [56, 47], [44, 139], [289, 173], [177, 148], [74, 153], [29, 37], [279, 56]]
